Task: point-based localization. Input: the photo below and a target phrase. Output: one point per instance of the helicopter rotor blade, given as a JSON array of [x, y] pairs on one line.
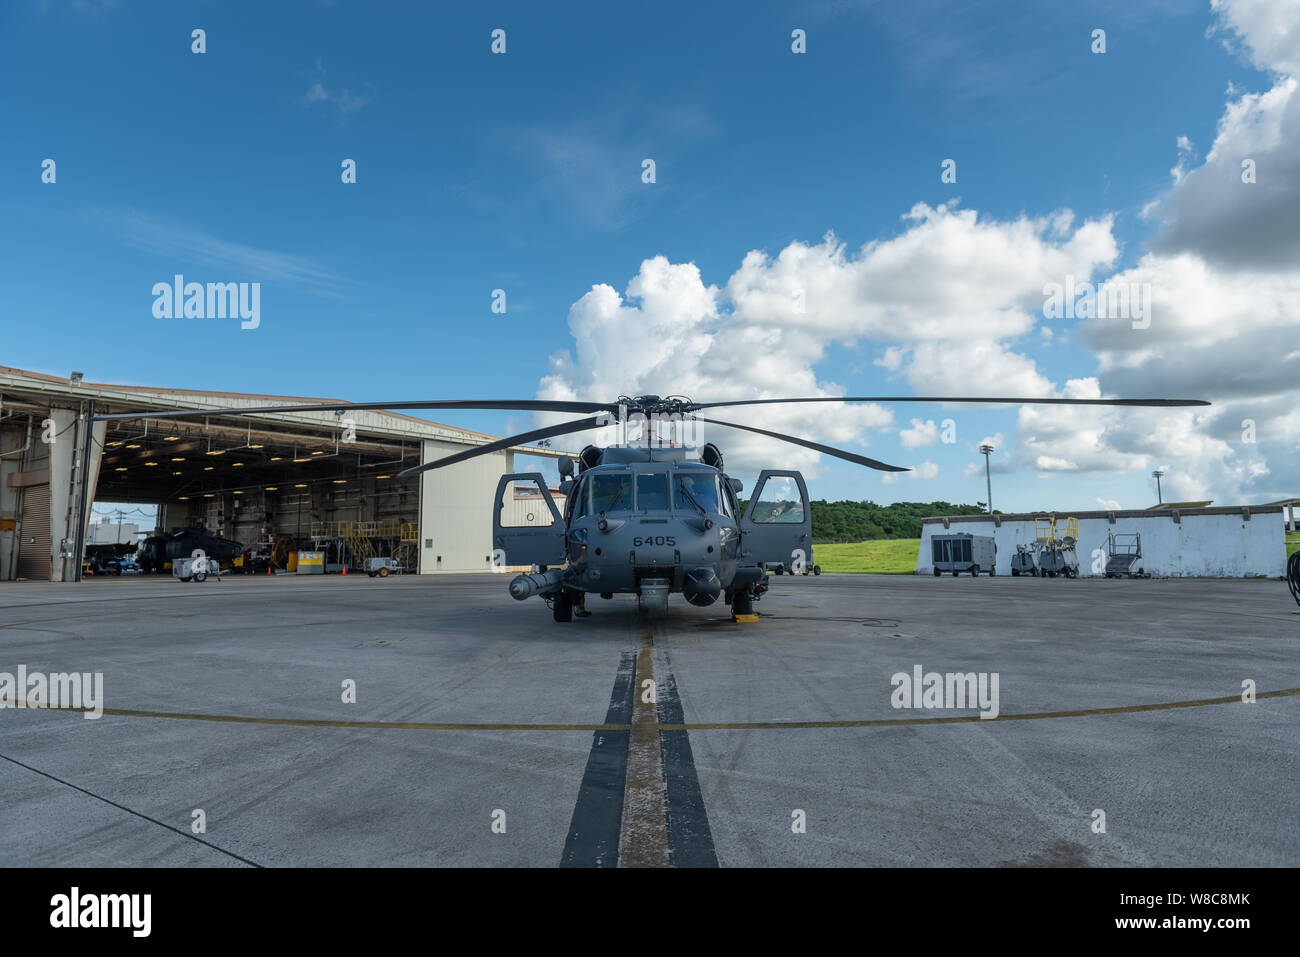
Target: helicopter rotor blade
[[1156, 403], [545, 405], [815, 446], [521, 405], [564, 428]]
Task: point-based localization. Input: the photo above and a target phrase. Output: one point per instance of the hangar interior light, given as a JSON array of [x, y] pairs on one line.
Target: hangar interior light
[[261, 453]]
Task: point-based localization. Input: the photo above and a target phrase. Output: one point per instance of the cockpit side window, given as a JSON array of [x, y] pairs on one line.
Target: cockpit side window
[[729, 497], [577, 504]]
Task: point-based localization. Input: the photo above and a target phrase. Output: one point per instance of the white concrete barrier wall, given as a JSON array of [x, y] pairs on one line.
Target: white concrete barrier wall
[[1197, 546]]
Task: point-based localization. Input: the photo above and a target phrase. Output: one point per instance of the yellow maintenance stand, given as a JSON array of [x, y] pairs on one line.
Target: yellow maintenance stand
[[1055, 540]]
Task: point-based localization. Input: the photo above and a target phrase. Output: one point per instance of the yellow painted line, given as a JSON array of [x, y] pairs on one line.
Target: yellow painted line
[[38, 621], [330, 723], [695, 726], [959, 719], [1243, 614]]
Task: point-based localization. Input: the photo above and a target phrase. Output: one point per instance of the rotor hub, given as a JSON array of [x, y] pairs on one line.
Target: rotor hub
[[648, 405]]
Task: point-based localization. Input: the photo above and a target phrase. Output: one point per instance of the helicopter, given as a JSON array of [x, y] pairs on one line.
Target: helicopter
[[651, 519]]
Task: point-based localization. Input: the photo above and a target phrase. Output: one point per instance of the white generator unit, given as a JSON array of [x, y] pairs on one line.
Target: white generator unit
[[383, 567], [195, 569]]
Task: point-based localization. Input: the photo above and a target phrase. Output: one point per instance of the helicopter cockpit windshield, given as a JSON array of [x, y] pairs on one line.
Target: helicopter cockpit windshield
[[608, 492], [652, 492], [697, 493]]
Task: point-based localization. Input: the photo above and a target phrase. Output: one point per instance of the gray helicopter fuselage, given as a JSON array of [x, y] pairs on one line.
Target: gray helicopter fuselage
[[651, 522], [655, 535]]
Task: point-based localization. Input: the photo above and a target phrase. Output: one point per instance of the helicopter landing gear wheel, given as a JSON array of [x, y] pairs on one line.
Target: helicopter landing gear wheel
[[817, 569], [742, 603], [562, 607], [937, 573]]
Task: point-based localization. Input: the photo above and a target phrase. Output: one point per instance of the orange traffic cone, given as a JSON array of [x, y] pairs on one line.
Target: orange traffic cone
[[345, 570]]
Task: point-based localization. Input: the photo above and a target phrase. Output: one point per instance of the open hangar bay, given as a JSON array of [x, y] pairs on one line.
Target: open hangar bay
[[483, 733], [270, 483]]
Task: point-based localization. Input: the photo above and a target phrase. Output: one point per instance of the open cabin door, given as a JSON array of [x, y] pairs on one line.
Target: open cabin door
[[777, 525], [526, 526]]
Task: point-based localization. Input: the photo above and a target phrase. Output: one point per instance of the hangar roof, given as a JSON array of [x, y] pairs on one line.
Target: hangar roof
[[19, 384]]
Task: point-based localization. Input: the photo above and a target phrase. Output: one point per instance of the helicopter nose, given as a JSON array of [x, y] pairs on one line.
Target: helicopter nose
[[701, 586]]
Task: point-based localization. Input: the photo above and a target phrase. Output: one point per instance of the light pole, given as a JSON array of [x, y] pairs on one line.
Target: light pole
[[988, 476], [1159, 498]]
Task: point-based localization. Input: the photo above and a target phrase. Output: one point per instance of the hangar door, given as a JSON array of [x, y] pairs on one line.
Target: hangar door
[[34, 536]]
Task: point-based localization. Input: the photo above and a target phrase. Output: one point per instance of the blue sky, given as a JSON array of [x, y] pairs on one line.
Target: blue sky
[[523, 172]]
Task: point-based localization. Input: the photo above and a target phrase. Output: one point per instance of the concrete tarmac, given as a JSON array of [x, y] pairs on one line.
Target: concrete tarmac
[[484, 733]]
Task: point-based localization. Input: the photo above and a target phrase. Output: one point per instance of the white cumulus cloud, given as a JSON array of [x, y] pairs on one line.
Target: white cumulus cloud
[[950, 304], [922, 432]]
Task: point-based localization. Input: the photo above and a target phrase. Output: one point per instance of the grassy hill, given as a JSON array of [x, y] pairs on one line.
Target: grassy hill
[[891, 556], [866, 537]]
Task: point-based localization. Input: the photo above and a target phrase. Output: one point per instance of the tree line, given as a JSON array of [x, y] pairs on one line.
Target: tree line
[[864, 521]]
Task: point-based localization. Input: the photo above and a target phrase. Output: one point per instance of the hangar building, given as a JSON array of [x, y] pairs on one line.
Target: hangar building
[[326, 478]]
